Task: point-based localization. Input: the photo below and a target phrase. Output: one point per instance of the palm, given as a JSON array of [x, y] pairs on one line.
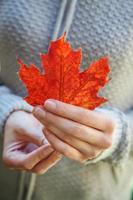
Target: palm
[[25, 146]]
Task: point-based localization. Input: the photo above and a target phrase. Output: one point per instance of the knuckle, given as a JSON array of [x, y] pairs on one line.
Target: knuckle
[[65, 137], [110, 126], [92, 154], [6, 160], [81, 158], [9, 161], [107, 142], [40, 155], [26, 165], [22, 130], [78, 156], [48, 126], [66, 152], [39, 171], [35, 171], [77, 129]]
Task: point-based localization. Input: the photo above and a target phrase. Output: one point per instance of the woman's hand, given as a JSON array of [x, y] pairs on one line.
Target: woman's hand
[[75, 132], [25, 146]]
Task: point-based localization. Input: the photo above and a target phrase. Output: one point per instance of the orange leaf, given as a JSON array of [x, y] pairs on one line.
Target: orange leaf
[[62, 79]]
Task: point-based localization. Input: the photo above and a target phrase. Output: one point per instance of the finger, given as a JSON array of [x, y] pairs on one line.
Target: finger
[[36, 156], [13, 159], [18, 159], [64, 148], [84, 116], [83, 147], [80, 131], [31, 134], [46, 164], [28, 137]]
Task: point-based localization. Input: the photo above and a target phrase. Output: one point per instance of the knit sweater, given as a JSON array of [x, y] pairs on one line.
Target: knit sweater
[[101, 28]]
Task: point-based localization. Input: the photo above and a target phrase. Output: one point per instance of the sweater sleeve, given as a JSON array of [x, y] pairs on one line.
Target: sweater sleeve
[[121, 140], [10, 102]]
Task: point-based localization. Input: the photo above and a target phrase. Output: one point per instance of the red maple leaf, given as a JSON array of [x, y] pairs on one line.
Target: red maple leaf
[[62, 79]]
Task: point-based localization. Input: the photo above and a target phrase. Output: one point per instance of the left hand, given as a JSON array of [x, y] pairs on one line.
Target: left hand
[[75, 132]]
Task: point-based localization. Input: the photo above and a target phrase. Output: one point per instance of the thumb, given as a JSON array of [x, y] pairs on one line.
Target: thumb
[[33, 135], [21, 160]]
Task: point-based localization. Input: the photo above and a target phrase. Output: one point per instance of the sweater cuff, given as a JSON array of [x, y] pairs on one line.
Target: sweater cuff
[[120, 141], [10, 103]]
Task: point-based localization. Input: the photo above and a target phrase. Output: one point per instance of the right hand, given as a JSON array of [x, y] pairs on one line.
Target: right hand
[[25, 146]]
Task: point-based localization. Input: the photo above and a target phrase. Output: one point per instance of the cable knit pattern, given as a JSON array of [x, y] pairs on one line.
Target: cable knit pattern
[[101, 28]]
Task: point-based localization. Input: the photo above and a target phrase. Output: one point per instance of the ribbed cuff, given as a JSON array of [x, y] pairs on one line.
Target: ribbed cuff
[[10, 103], [120, 139]]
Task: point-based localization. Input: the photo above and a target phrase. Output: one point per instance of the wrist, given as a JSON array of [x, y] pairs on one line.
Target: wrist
[[18, 108]]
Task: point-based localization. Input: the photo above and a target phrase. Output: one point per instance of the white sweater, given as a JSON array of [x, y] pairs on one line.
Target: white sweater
[[101, 28]]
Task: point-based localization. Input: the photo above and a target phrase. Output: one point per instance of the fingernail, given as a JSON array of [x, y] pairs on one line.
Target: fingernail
[[38, 111], [49, 104]]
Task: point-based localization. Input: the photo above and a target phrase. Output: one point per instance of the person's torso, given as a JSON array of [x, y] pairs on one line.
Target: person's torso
[[100, 28]]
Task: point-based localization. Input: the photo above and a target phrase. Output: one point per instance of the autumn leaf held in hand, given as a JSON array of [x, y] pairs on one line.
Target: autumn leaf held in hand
[[62, 79]]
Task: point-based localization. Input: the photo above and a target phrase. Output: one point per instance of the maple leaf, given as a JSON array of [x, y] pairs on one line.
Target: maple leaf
[[61, 78]]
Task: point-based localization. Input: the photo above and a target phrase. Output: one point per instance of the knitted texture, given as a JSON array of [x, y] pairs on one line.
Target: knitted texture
[[100, 28], [105, 28]]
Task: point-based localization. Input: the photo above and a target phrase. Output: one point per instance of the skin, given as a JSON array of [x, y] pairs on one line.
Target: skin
[[75, 132], [36, 141], [25, 146]]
